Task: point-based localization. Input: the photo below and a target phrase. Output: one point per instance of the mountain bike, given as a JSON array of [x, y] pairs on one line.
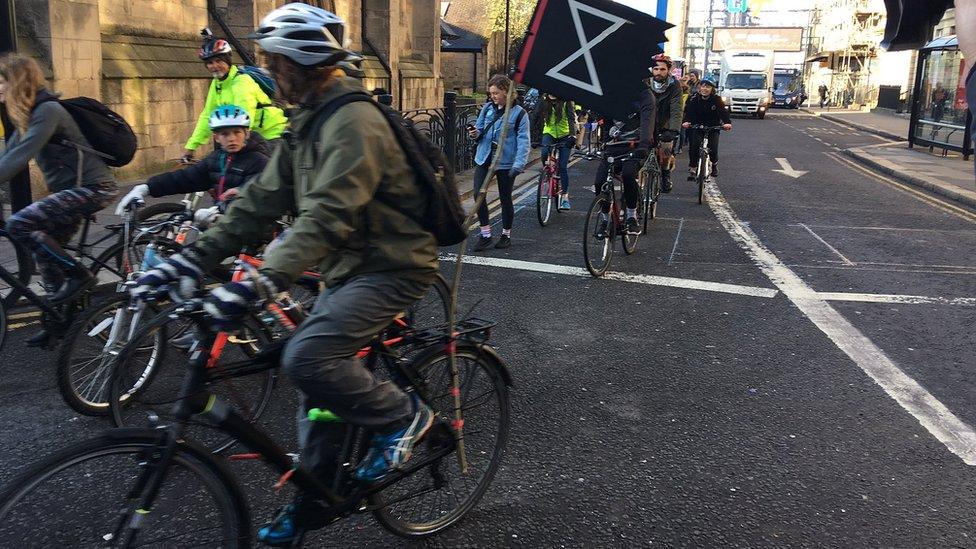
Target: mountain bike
[[605, 218], [156, 486], [704, 165]]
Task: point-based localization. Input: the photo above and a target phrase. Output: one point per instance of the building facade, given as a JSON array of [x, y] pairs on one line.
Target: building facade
[[139, 56]]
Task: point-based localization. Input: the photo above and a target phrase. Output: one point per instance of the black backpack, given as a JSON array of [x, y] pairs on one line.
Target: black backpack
[[108, 133], [445, 216]]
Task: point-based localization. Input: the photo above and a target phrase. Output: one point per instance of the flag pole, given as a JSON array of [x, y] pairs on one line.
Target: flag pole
[[452, 311]]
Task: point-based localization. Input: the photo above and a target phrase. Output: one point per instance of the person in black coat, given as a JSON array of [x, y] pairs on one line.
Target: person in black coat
[[705, 109], [242, 155]]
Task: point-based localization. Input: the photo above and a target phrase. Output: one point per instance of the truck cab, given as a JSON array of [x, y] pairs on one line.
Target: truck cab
[[746, 82]]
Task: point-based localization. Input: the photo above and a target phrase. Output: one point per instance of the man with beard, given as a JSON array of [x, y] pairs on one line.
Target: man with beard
[[667, 93]]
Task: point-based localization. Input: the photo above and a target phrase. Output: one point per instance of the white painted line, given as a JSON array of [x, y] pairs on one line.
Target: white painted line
[[28, 314], [900, 299], [951, 431], [676, 237], [846, 261], [653, 280]]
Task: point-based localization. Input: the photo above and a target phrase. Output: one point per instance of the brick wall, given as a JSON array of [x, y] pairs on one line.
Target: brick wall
[[457, 70]]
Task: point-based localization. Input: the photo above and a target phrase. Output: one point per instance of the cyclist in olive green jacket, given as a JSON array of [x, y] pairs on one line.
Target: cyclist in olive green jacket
[[355, 199], [230, 86]]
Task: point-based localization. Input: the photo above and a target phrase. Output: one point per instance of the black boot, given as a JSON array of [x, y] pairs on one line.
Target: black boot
[[40, 339], [79, 280], [666, 181]]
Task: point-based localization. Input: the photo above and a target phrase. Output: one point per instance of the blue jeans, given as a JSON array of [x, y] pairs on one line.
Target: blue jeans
[[565, 149]]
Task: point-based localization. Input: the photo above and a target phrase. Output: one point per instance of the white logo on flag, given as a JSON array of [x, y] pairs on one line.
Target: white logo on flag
[[593, 86]]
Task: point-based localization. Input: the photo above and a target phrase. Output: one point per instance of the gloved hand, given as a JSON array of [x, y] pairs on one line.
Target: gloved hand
[[230, 303], [668, 136], [205, 217], [515, 171], [138, 194], [183, 267]]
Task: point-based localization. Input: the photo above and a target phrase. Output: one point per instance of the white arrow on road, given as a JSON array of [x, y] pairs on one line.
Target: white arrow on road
[[787, 169]]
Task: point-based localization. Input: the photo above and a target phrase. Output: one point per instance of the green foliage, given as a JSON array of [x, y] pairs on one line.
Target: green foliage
[[519, 16]]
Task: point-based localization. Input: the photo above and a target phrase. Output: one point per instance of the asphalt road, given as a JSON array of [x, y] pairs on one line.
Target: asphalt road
[[794, 369]]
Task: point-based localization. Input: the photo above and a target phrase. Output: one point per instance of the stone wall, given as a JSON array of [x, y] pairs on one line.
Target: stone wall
[[458, 72]]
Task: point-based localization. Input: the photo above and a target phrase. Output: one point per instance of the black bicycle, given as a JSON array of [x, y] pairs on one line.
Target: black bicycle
[[605, 217], [154, 486], [704, 172], [117, 258]]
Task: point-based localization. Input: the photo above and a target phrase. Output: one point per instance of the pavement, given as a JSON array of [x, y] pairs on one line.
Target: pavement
[[788, 365], [880, 122]]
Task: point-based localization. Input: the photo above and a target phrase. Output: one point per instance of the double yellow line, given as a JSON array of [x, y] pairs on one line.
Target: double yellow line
[[931, 200]]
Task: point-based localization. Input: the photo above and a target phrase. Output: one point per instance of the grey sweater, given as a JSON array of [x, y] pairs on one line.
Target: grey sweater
[[58, 162]]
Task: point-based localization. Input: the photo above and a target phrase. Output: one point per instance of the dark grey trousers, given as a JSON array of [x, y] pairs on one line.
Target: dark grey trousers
[[321, 360]]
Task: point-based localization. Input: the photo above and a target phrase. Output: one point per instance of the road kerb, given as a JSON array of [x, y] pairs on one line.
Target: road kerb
[[967, 198]]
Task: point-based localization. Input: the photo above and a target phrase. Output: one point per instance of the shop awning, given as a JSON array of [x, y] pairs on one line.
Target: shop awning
[[942, 43], [822, 56]]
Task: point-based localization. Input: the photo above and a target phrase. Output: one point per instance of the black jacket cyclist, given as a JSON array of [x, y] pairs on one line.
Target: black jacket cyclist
[[667, 92]]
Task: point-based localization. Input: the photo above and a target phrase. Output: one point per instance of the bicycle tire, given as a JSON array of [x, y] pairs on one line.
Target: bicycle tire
[[25, 270], [97, 465], [3, 324], [598, 260], [434, 367], [161, 209], [88, 393], [650, 200], [137, 392], [700, 178], [543, 199], [629, 241], [432, 310]]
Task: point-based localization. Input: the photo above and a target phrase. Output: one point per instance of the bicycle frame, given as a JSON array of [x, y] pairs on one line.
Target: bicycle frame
[[194, 400]]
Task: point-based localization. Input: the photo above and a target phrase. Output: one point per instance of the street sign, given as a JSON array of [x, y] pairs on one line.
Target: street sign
[[757, 38]]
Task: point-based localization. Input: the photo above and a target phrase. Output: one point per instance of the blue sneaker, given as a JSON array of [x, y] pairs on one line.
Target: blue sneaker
[[281, 532], [564, 203], [387, 452]]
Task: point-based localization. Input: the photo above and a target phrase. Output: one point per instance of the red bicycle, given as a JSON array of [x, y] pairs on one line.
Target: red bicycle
[[547, 193]]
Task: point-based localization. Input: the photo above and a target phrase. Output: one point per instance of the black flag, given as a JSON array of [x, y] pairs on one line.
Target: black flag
[[594, 52]]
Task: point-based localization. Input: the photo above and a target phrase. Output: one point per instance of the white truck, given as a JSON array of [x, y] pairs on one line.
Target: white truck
[[746, 82]]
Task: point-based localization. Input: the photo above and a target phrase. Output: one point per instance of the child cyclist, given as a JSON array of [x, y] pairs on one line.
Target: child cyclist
[[242, 155], [704, 109]]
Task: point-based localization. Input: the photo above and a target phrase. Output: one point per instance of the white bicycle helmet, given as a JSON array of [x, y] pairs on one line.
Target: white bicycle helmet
[[229, 116], [307, 35]]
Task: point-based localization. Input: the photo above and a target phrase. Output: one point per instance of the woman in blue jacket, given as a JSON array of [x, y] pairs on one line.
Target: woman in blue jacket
[[487, 131]]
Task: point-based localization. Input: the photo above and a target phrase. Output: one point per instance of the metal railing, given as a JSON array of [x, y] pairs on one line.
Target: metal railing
[[445, 126]]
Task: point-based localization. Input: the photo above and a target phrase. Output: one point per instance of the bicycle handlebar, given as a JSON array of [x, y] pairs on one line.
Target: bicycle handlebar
[[705, 128]]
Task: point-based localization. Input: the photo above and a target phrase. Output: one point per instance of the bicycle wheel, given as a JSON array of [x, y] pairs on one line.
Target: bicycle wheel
[[544, 198], [433, 308], [3, 324], [82, 495], [702, 166], [650, 199], [17, 261], [88, 349], [629, 241], [438, 496], [141, 388], [598, 234]]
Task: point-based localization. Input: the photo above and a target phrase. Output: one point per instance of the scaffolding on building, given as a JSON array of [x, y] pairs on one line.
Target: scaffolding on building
[[849, 32]]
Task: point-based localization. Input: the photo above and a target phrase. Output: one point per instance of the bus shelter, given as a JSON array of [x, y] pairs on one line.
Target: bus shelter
[[940, 115]]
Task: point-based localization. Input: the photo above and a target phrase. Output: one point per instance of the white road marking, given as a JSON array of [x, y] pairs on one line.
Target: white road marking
[[938, 420], [676, 237], [653, 280], [829, 247], [893, 298], [786, 169]]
